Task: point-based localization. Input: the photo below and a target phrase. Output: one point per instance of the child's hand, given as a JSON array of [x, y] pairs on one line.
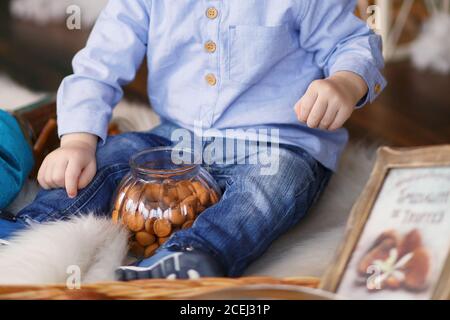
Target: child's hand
[[329, 103], [72, 166]]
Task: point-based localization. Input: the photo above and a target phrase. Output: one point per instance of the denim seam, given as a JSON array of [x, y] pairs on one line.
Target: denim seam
[[88, 190], [326, 179], [96, 190], [182, 243], [27, 219], [310, 179], [54, 214], [230, 182]]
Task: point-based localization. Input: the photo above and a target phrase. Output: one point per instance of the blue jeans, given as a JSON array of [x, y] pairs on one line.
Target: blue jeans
[[254, 211]]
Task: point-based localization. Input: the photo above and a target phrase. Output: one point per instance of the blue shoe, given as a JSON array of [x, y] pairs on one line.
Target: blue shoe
[[172, 265]]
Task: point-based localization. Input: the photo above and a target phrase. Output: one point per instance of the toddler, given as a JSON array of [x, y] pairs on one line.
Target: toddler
[[295, 67]]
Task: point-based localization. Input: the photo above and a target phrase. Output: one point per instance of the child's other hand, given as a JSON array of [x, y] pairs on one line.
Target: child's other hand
[[329, 103], [72, 166]]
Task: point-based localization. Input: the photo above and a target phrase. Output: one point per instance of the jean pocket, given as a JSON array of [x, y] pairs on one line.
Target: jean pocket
[[255, 50]]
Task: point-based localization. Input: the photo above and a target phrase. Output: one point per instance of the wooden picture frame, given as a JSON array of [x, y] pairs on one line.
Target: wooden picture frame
[[388, 160]]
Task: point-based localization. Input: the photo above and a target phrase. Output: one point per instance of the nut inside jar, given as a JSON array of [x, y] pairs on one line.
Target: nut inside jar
[[158, 198]]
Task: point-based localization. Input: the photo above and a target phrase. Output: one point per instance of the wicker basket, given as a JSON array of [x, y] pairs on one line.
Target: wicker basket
[[212, 288]]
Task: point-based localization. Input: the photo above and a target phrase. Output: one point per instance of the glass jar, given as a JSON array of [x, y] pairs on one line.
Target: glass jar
[[161, 195]]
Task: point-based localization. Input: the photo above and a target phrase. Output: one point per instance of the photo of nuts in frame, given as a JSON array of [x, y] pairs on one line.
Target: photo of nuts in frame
[[397, 245], [398, 262]]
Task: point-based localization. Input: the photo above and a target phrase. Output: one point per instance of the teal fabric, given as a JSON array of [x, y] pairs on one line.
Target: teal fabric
[[16, 159]]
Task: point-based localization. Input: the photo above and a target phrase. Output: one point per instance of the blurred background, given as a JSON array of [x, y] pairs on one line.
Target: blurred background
[[36, 49]]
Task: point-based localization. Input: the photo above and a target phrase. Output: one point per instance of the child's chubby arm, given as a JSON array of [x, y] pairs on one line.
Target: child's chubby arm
[[72, 166], [349, 54], [115, 50]]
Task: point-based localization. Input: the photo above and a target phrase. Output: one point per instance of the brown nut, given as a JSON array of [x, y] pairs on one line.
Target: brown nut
[[380, 252], [202, 193], [393, 283], [188, 224], [190, 201], [149, 225], [145, 239], [135, 222], [134, 192], [183, 189], [191, 187], [150, 250], [151, 205], [172, 193], [200, 209], [410, 242], [389, 234], [115, 216], [416, 270], [153, 192], [177, 217], [162, 228], [169, 201], [204, 199], [124, 218], [137, 249], [189, 212], [169, 195]]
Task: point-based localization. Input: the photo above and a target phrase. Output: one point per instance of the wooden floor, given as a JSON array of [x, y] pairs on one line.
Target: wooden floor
[[414, 109]]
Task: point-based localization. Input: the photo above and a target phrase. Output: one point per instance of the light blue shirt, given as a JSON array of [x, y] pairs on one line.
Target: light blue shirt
[[266, 55]]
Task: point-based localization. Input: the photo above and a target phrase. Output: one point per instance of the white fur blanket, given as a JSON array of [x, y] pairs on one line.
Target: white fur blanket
[[49, 253], [46, 253], [431, 50]]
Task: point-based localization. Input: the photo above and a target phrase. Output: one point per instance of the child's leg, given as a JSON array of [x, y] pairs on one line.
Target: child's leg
[[255, 210], [112, 162]]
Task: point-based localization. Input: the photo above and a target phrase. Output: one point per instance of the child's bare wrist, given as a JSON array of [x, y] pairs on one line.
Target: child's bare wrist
[[354, 83], [85, 139]]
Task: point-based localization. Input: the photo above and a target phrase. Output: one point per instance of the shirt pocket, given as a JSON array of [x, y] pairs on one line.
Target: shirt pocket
[[255, 50]]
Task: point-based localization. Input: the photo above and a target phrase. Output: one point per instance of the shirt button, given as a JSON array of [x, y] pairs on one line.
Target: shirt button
[[211, 79], [212, 13], [377, 88], [210, 46]]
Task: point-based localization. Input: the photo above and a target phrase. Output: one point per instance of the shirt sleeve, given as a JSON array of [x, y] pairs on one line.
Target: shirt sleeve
[[342, 42], [114, 52]]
